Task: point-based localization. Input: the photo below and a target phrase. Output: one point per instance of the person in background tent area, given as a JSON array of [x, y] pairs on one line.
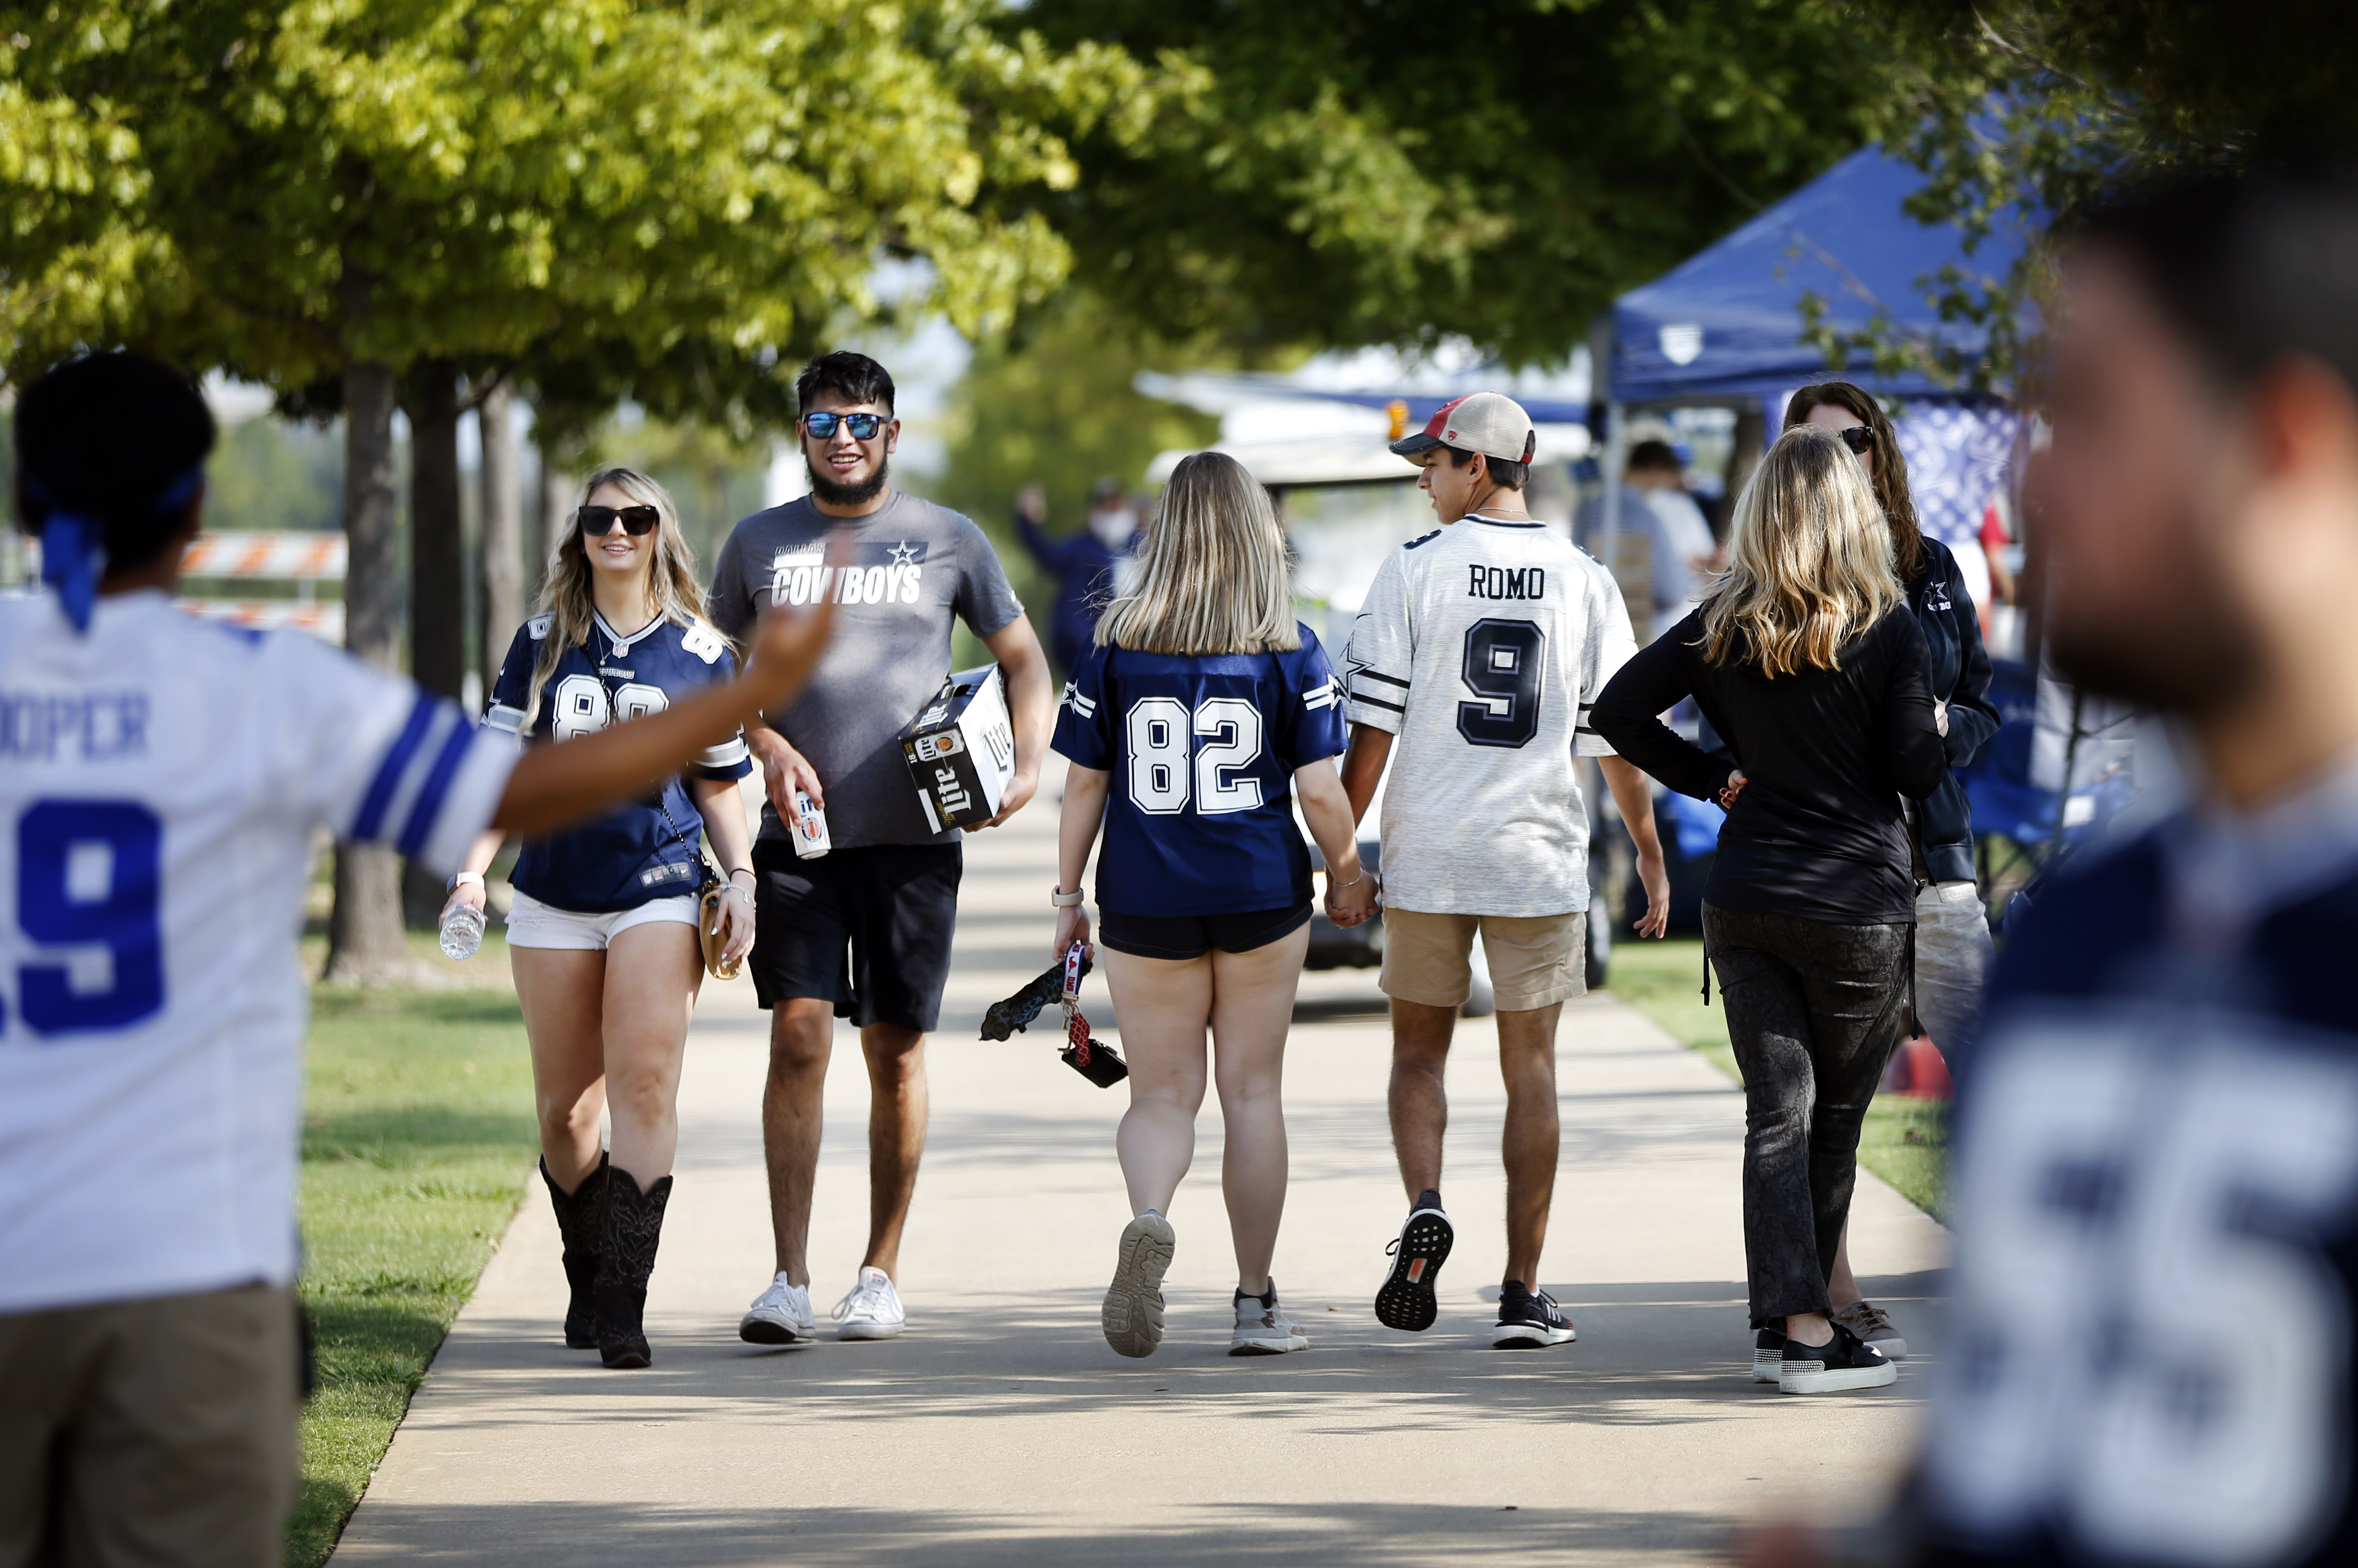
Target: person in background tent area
[[1678, 538], [1203, 710], [1806, 660], [151, 1362], [1952, 951], [602, 935], [1086, 565]]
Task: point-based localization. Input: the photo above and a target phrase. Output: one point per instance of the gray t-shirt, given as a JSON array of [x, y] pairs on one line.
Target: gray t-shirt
[[915, 565]]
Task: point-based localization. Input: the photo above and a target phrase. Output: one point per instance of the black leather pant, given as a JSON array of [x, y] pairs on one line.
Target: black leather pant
[[1814, 1010]]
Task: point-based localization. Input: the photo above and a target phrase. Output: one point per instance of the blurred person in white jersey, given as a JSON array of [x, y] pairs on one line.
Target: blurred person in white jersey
[[1475, 657], [2159, 1123], [160, 781]]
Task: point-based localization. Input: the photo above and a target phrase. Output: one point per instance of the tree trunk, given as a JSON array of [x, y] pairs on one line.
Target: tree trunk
[[503, 542], [437, 551], [364, 935], [438, 573], [559, 494]]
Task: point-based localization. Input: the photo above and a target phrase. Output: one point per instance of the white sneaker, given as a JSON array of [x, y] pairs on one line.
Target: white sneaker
[[779, 1316], [870, 1309], [1265, 1330]]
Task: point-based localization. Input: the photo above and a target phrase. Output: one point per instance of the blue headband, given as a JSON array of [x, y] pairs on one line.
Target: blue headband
[[73, 547]]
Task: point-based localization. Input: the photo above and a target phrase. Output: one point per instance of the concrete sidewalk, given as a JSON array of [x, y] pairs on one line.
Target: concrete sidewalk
[[1000, 1430]]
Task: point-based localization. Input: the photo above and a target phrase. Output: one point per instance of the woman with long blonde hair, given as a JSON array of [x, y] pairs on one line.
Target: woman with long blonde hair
[[1805, 658], [1202, 711], [602, 934]]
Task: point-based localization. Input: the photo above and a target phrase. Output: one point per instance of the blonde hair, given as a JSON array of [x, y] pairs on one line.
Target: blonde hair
[[1216, 579], [1811, 560], [564, 598]]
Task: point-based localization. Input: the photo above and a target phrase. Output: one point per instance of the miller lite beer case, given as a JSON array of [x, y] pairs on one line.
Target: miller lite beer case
[[961, 750]]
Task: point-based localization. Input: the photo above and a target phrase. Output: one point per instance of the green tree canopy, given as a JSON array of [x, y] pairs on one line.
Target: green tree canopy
[[1353, 171]]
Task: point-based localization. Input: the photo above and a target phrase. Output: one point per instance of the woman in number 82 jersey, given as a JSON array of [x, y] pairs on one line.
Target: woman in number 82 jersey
[[602, 934], [1202, 698]]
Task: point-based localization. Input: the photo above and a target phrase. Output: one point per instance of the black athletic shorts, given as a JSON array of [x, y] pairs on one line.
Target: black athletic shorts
[[867, 929], [1192, 935]]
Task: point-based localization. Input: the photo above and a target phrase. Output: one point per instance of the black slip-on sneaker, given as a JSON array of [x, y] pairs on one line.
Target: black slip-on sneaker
[[1406, 1301], [1528, 1320], [1843, 1362]]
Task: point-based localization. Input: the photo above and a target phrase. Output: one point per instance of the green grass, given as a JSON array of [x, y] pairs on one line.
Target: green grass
[[1905, 1141], [417, 1139]]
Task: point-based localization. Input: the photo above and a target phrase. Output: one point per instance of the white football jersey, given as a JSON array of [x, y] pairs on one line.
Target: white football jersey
[[1481, 647], [161, 778]]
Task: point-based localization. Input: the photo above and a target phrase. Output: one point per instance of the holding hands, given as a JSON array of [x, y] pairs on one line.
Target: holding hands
[[1353, 902]]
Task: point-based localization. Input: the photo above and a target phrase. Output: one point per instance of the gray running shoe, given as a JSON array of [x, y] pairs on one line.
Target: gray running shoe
[[1133, 1314], [1874, 1327], [1263, 1329]]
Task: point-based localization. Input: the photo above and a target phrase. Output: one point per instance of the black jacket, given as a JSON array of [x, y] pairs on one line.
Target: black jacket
[[1826, 755], [1958, 672]]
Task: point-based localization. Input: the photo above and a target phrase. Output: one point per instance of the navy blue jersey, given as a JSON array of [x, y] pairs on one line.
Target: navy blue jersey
[[631, 854], [2159, 1140], [1201, 748]]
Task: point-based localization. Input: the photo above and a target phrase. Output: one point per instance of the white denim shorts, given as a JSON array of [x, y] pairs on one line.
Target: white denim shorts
[[532, 924]]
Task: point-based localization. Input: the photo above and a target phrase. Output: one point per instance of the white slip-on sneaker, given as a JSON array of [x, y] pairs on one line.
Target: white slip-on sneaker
[[779, 1316], [870, 1309], [1133, 1314], [1262, 1327]]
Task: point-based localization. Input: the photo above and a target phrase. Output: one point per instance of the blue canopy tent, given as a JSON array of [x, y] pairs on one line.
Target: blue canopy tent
[[1725, 326]]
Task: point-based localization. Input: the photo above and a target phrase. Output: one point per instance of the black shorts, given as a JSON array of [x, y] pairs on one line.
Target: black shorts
[[867, 929], [1185, 936]]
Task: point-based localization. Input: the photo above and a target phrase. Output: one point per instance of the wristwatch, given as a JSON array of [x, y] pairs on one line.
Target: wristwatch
[[1058, 899], [463, 879]]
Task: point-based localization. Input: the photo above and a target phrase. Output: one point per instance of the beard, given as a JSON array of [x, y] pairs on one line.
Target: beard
[[2192, 655], [825, 487]]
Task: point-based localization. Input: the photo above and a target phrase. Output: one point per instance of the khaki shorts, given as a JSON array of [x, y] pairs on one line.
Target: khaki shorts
[[157, 1431], [1535, 960]]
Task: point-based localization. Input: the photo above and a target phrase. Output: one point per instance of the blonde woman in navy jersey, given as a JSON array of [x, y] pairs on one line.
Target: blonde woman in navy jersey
[[602, 934], [1201, 712]]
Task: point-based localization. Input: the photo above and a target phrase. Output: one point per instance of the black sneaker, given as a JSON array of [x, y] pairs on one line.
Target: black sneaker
[[1407, 1301], [1843, 1362], [1767, 1357], [1528, 1320]]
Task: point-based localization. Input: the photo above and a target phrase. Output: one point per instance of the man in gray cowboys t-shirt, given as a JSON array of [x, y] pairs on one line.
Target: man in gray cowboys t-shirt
[[863, 931]]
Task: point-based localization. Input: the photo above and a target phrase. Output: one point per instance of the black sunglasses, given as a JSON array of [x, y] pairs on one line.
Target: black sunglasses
[[1858, 439], [597, 521], [863, 427]]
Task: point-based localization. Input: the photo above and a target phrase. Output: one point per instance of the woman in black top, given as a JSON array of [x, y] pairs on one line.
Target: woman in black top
[[1805, 659], [1952, 940]]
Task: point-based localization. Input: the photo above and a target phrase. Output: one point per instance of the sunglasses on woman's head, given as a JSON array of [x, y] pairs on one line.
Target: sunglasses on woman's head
[[863, 427], [1858, 439], [598, 521]]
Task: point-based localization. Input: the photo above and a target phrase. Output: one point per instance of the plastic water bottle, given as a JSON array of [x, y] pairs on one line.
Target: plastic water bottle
[[462, 931]]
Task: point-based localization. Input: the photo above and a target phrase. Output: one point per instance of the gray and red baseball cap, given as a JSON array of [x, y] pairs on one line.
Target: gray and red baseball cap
[[1490, 423]]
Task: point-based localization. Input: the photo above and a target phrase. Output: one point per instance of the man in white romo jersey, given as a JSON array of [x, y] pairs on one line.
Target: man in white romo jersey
[[160, 780], [1476, 656]]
